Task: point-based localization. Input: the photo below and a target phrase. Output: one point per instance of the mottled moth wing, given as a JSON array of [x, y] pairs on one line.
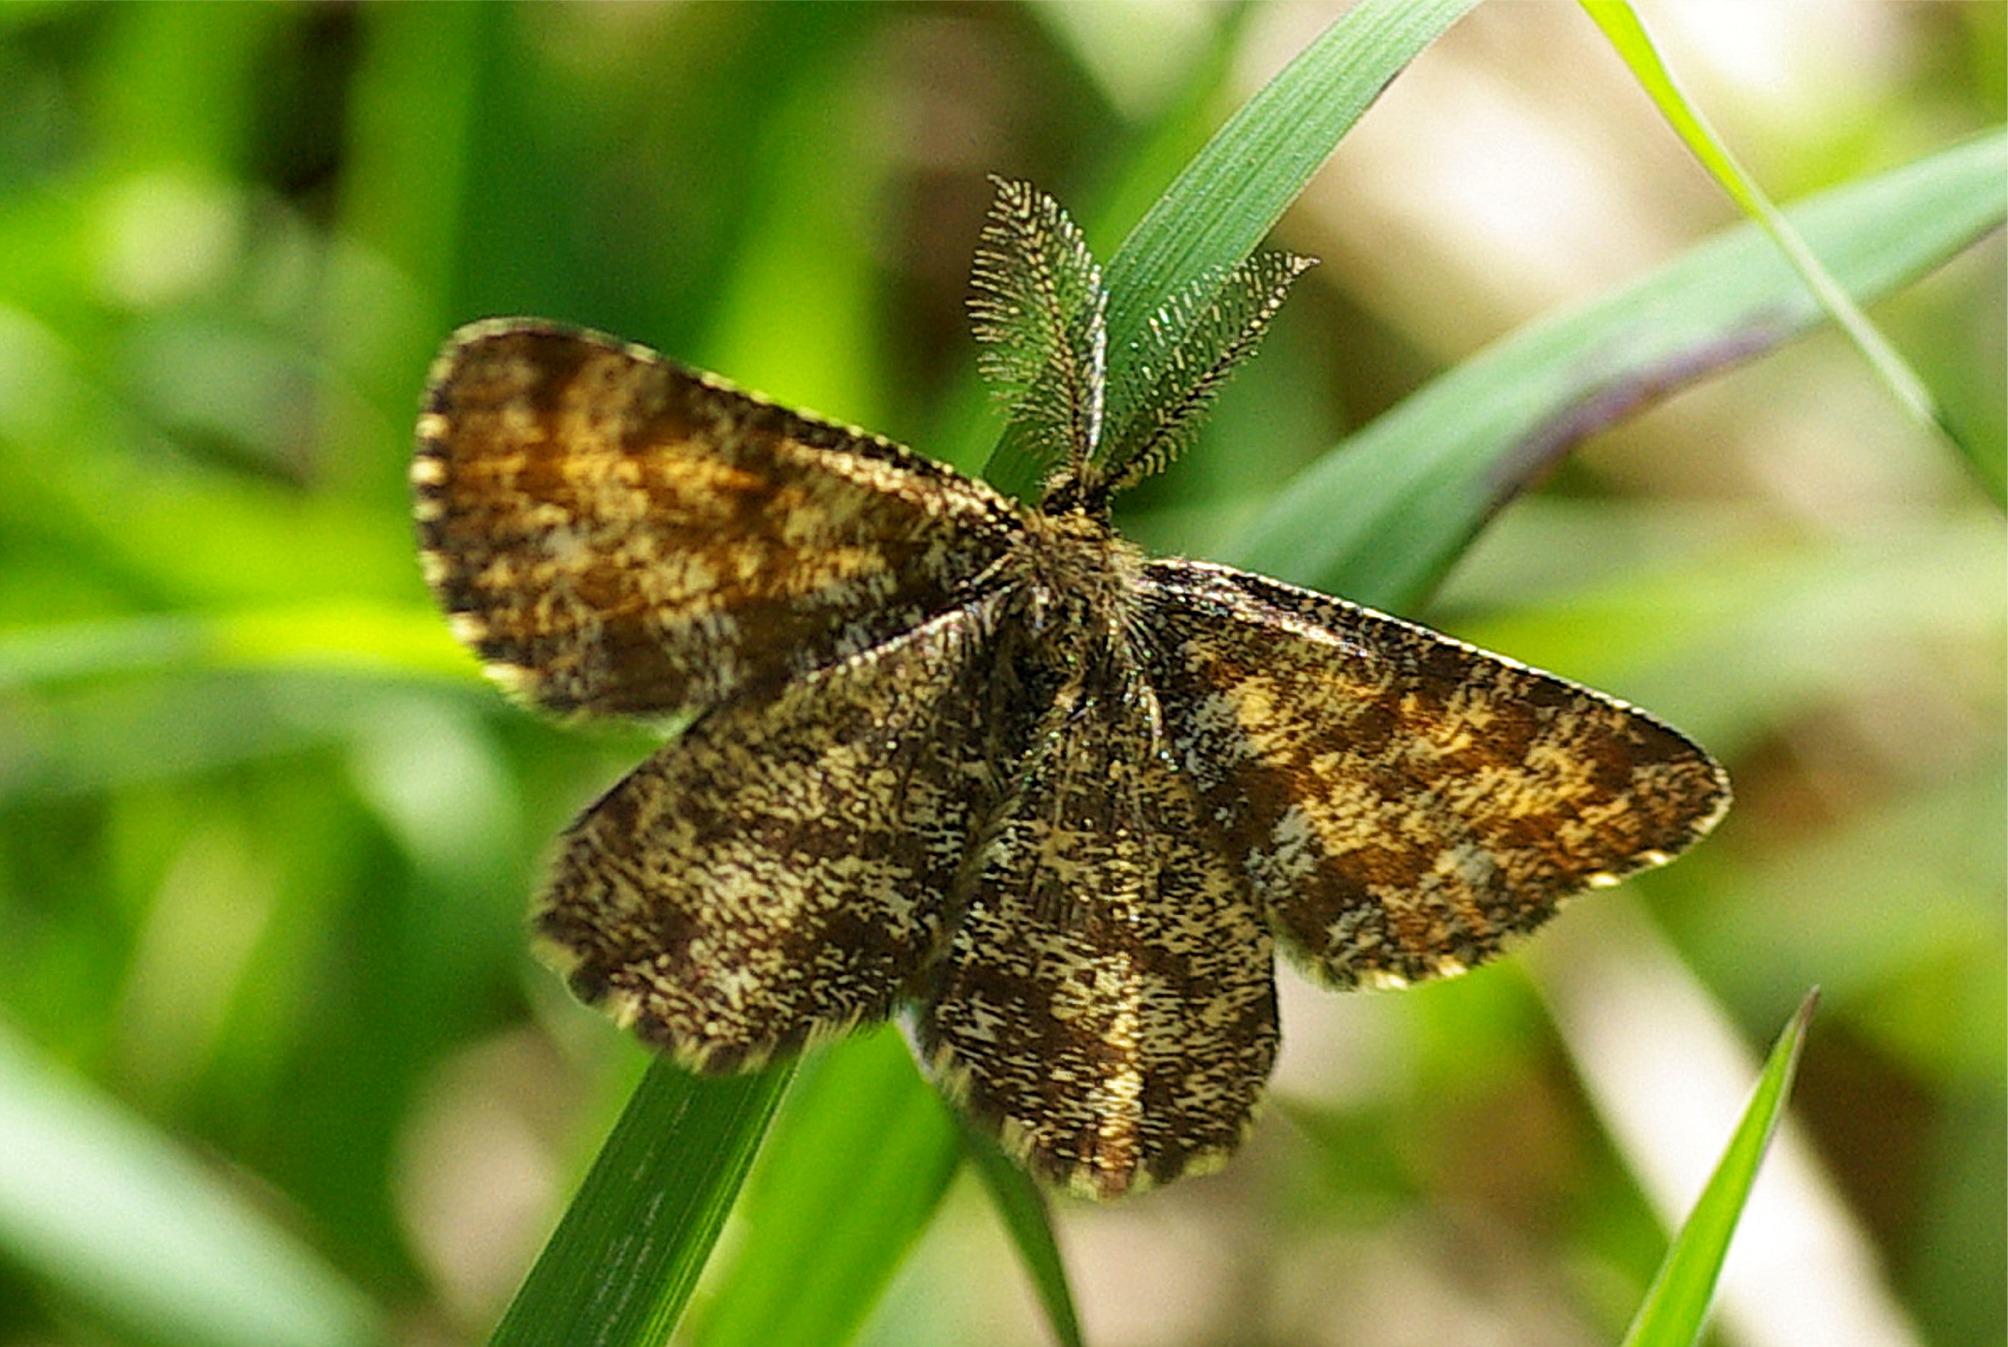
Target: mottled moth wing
[[777, 874], [1405, 802], [1107, 1006], [613, 533]]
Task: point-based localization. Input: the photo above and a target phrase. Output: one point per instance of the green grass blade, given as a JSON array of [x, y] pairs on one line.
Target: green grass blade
[[1216, 211], [1621, 26], [1227, 199], [1381, 517], [862, 1152], [110, 1213], [627, 1252], [1029, 1222], [1676, 1305]]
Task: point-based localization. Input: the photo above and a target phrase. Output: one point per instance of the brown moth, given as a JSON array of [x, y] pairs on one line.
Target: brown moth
[[990, 764]]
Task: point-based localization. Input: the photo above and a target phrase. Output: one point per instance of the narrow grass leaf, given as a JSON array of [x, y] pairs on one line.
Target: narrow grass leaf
[[107, 1211], [1382, 516], [1029, 1222], [1676, 1305], [1620, 23], [1216, 211], [627, 1252], [862, 1152]]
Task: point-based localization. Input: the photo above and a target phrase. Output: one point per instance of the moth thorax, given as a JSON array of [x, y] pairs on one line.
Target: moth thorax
[[1081, 574]]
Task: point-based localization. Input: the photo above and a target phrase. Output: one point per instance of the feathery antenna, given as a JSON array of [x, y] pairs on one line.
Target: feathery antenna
[[1192, 344], [1040, 311]]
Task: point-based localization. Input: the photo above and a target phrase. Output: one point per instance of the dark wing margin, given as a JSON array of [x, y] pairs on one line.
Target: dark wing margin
[[1404, 802], [776, 875], [612, 533], [1107, 1004]]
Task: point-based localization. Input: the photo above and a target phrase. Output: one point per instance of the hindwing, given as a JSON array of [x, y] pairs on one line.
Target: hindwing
[[776, 875], [1107, 1004], [1401, 801]]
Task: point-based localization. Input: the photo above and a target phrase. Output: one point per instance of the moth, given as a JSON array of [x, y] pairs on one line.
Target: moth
[[985, 766]]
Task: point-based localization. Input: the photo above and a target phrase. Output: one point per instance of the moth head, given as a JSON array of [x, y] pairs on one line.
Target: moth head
[[1074, 487]]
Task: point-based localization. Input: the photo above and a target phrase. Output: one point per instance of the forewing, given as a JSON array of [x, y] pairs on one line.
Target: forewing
[[776, 875], [1107, 1006], [613, 533], [1403, 802]]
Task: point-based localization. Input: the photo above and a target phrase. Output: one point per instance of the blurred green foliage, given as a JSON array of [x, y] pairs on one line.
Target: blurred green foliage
[[265, 838]]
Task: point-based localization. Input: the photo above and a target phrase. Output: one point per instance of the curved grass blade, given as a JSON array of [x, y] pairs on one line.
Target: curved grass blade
[[1029, 1221], [124, 1223], [1216, 211], [1383, 515], [627, 1252], [1627, 34], [1676, 1305], [836, 1201]]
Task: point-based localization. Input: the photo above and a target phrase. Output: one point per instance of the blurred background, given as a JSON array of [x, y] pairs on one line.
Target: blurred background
[[266, 838]]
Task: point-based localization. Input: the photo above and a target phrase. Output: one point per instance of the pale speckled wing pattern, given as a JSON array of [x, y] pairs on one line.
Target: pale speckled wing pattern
[[1107, 1005], [777, 874], [1402, 802], [613, 533]]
